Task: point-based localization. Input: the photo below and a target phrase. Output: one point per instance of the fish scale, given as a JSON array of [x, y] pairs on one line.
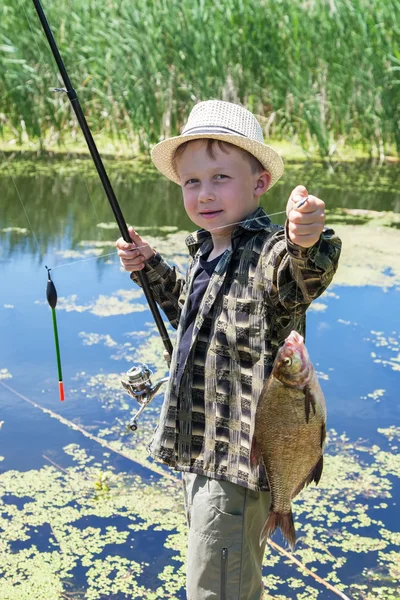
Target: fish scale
[[289, 433]]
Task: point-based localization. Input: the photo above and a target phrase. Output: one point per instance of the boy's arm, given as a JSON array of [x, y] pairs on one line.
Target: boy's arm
[[166, 284], [304, 255], [295, 275]]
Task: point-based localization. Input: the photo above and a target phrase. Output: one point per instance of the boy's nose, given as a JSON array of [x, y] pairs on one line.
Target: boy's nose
[[206, 194]]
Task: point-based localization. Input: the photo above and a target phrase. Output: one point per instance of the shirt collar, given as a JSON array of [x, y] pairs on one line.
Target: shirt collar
[[256, 221]]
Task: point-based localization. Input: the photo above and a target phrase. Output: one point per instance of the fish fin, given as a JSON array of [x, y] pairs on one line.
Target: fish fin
[[286, 525], [309, 400], [323, 434], [314, 475], [254, 453], [317, 472], [303, 484]]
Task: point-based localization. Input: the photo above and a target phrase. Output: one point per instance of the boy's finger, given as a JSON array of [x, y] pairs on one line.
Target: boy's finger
[[312, 204], [122, 244], [135, 237], [132, 260], [306, 218], [129, 253], [300, 229], [132, 265], [299, 190], [298, 194]]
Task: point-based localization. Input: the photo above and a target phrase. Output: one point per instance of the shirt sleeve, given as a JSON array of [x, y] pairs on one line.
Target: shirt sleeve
[[295, 276], [167, 285]]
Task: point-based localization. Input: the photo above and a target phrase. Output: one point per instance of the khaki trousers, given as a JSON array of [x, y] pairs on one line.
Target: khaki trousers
[[224, 560]]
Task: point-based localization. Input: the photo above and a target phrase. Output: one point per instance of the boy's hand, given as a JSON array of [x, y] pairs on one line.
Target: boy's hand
[[306, 223], [133, 256]]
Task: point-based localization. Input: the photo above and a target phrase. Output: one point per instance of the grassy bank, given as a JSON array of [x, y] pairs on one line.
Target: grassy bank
[[323, 74], [69, 147]]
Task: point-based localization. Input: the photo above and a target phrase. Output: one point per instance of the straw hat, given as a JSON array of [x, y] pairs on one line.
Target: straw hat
[[220, 121]]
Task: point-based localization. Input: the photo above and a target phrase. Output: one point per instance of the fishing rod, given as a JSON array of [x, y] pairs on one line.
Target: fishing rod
[[138, 383]]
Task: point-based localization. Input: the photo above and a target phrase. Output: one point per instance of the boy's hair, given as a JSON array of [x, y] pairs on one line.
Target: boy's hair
[[255, 165]]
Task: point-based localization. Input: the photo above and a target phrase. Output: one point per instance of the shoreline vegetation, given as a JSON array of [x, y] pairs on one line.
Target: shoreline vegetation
[[73, 156], [323, 74], [56, 148]]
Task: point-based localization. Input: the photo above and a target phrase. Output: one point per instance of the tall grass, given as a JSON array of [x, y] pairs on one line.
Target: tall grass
[[317, 72]]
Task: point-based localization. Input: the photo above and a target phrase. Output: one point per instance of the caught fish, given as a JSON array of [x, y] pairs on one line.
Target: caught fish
[[289, 433]]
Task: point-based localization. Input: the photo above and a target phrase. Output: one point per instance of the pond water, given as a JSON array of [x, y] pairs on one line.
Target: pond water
[[84, 512]]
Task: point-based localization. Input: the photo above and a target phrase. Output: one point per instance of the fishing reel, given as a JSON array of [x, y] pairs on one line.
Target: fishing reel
[[137, 383]]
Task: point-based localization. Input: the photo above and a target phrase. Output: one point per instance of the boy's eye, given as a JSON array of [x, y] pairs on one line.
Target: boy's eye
[[219, 176]]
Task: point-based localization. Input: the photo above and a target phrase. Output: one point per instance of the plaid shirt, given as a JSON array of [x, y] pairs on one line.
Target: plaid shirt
[[258, 293]]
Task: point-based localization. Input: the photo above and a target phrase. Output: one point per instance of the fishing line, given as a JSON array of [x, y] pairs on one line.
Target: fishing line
[[94, 207], [76, 262], [297, 321], [230, 224], [20, 199], [49, 67], [246, 221], [101, 441]]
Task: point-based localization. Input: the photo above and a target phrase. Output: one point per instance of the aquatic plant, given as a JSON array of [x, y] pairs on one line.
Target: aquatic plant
[[62, 535], [319, 73]]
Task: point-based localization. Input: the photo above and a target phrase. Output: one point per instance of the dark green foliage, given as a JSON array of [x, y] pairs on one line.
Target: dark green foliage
[[318, 72]]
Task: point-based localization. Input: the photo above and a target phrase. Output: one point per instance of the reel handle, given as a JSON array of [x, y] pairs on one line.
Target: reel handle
[[167, 357]]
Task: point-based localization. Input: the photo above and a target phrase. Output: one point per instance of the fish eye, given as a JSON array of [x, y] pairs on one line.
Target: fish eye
[[287, 361]]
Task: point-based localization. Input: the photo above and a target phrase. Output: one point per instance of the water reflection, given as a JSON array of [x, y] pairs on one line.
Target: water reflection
[[351, 338], [62, 209]]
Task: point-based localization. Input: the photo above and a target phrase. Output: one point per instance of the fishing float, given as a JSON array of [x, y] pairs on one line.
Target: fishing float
[[51, 294]]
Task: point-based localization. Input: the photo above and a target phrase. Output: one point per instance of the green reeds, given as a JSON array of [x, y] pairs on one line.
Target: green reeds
[[317, 72]]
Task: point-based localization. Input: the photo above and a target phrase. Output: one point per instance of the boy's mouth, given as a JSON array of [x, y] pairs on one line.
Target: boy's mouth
[[209, 214]]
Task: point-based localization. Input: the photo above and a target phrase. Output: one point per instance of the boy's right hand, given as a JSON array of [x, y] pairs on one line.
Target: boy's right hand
[[133, 256]]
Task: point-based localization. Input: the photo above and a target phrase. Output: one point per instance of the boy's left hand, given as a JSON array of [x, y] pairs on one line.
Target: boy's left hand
[[305, 224]]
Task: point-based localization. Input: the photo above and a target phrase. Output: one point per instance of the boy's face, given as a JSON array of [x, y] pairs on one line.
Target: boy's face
[[220, 191]]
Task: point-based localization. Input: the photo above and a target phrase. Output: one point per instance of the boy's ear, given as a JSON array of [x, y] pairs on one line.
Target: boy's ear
[[262, 183]]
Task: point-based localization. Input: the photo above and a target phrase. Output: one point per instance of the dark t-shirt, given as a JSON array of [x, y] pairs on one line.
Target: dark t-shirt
[[200, 283]]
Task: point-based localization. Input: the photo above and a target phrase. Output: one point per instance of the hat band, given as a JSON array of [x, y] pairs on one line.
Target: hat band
[[212, 129]]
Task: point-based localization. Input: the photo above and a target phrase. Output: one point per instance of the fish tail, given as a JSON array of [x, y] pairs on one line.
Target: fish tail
[[286, 525]]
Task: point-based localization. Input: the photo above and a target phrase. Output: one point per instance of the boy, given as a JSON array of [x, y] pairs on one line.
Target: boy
[[248, 285]]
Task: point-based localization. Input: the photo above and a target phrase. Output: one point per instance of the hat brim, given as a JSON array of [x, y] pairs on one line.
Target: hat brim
[[162, 153]]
